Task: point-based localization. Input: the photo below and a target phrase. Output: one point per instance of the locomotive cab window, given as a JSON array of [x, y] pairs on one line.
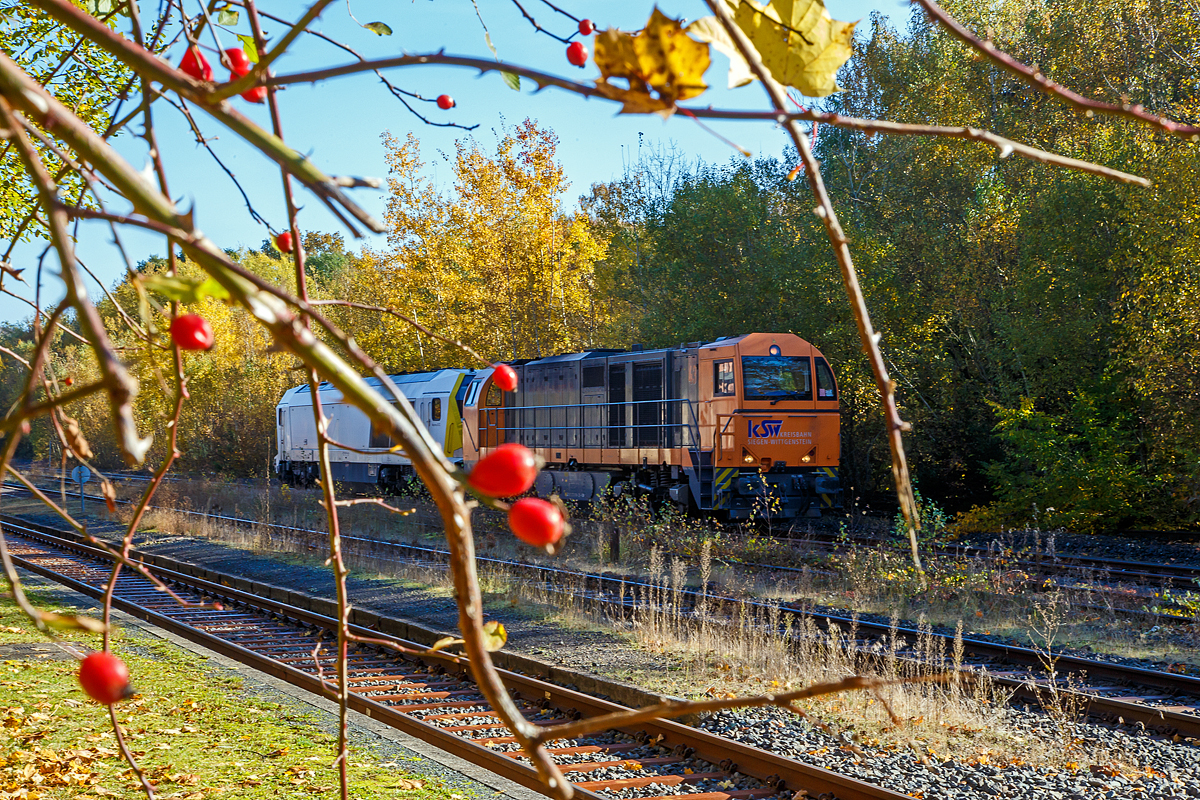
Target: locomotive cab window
[[777, 378], [437, 409], [723, 379], [826, 389], [494, 397]]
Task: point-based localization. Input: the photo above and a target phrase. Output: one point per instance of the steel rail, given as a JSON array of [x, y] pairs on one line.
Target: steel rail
[[1180, 719], [775, 773]]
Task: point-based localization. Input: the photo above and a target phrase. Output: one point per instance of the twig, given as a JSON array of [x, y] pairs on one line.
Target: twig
[[679, 708], [540, 29], [1038, 80], [374, 501]]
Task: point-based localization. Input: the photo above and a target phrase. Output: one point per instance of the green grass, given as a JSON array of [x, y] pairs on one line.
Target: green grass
[[194, 728]]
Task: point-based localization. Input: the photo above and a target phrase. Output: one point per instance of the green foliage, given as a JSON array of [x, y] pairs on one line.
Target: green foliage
[[994, 282], [1076, 470], [40, 45]]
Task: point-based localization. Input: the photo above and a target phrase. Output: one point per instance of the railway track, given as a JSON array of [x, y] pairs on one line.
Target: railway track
[[1162, 702], [1088, 568], [433, 698], [1166, 574]]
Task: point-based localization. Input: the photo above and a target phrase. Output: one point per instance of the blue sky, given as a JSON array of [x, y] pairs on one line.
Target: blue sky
[[338, 124]]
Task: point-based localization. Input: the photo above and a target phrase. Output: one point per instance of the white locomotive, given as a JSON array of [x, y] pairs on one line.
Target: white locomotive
[[436, 396]]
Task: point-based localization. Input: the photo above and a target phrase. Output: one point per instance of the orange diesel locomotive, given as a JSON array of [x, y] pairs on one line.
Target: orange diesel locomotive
[[746, 425]]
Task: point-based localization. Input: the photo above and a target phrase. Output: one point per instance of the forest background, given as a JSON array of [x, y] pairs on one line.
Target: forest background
[[1043, 325]]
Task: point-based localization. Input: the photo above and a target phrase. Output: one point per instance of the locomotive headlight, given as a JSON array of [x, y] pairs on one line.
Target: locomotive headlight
[[806, 458], [774, 350], [747, 458]]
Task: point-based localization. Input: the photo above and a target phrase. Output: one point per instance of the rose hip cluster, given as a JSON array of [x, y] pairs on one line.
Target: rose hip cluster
[[510, 470], [195, 65]]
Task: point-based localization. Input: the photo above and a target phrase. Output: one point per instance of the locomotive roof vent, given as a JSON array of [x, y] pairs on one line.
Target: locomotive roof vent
[[637, 348]]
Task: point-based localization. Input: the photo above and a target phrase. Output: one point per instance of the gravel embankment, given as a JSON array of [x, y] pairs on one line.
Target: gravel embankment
[[1169, 770]]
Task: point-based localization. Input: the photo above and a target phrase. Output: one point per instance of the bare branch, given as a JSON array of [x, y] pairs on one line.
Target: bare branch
[[1004, 146], [1037, 79]]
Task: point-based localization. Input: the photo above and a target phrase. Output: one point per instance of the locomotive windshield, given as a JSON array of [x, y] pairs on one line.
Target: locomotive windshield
[[777, 378]]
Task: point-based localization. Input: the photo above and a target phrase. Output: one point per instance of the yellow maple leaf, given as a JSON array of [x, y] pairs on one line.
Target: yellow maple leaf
[[661, 64], [799, 43]]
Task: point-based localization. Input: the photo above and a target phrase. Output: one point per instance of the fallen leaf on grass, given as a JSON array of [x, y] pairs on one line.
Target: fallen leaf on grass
[[405, 784]]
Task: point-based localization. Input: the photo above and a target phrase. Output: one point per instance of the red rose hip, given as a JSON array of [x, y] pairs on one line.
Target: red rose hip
[[192, 332], [586, 27], [505, 377], [195, 65], [239, 62], [507, 471], [239, 65], [536, 522], [577, 54], [283, 242], [104, 678], [445, 102]]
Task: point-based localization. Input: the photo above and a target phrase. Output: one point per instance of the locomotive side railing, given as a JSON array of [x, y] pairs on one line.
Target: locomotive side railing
[[636, 424]]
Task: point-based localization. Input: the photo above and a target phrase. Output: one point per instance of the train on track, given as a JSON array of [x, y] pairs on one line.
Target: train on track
[[744, 426]]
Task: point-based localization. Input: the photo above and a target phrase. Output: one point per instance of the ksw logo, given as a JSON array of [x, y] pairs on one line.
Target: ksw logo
[[765, 429]]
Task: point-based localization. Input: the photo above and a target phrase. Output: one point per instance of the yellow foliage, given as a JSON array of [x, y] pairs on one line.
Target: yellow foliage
[[799, 43], [494, 263], [661, 59]]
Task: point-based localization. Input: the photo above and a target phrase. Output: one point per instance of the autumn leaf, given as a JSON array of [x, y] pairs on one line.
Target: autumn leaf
[[110, 495], [379, 28], [661, 64], [494, 635], [799, 43], [710, 29]]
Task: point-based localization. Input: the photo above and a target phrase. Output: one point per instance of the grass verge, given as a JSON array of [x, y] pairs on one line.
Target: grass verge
[[197, 731]]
